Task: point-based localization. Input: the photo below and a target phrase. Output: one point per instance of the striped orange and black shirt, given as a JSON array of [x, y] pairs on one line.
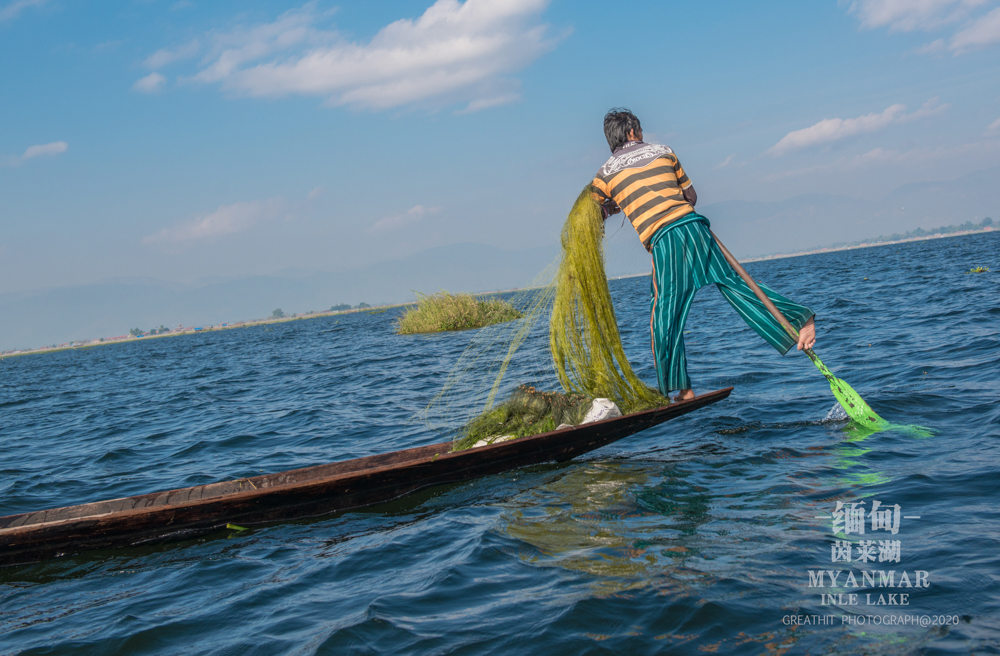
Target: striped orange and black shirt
[[646, 181]]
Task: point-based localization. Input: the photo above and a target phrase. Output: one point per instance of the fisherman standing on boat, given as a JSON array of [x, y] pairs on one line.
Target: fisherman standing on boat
[[647, 182]]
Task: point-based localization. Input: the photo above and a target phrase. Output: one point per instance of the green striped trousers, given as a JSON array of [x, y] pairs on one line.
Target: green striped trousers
[[685, 259]]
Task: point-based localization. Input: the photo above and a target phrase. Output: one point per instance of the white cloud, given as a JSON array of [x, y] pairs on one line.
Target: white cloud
[[909, 15], [412, 215], [833, 129], [152, 83], [485, 103], [932, 48], [10, 11], [985, 150], [872, 157], [226, 220], [53, 148], [231, 50], [984, 31], [994, 127], [930, 108], [166, 56], [876, 155], [109, 46], [726, 162], [315, 193], [456, 51]]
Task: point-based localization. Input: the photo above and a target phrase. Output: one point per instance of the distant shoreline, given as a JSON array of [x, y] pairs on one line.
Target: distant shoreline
[[835, 249], [382, 308], [177, 332]]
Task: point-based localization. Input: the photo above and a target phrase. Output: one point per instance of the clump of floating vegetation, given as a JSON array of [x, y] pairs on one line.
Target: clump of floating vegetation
[[446, 311], [527, 412], [979, 269]]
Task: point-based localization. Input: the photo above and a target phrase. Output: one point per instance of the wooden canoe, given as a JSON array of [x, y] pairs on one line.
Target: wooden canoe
[[309, 492]]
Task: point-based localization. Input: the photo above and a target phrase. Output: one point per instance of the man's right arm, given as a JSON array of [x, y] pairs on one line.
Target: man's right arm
[[690, 195], [602, 194]]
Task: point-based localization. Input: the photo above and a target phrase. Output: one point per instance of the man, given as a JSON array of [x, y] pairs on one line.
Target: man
[[647, 182]]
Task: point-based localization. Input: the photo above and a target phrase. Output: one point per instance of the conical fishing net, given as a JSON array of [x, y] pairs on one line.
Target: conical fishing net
[[477, 379], [855, 406], [583, 332], [584, 347], [864, 421]]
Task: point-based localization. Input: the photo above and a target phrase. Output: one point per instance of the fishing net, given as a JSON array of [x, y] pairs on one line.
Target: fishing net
[[528, 411], [583, 332], [583, 345], [477, 379], [864, 421], [855, 406]]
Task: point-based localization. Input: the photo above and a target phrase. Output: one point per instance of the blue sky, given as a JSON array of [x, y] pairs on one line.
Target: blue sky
[[187, 140]]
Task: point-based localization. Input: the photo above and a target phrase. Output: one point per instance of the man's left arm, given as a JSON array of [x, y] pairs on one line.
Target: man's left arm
[[690, 195]]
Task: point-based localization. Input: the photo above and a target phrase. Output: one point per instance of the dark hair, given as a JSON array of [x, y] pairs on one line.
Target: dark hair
[[618, 122]]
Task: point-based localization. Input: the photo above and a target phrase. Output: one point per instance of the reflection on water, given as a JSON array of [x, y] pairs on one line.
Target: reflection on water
[[857, 432], [640, 530], [591, 520], [851, 469]]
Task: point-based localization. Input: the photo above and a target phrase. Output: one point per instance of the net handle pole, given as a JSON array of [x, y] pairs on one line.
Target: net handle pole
[[775, 312]]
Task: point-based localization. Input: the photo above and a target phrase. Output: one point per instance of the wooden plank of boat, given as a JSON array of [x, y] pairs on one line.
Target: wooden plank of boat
[[312, 491]]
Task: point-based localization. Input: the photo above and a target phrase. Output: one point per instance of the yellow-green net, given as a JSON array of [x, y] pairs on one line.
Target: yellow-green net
[[585, 347], [583, 331]]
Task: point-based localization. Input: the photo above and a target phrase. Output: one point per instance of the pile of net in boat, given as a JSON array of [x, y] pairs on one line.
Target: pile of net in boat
[[583, 347], [528, 411]]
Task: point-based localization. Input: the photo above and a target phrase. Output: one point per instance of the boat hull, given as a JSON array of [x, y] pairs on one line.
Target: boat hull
[[309, 492]]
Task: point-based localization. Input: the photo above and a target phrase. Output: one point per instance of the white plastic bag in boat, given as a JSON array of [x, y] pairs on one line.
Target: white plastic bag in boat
[[493, 440], [601, 409]]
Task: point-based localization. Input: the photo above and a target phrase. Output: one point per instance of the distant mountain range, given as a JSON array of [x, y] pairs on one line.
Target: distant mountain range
[[755, 228], [29, 320]]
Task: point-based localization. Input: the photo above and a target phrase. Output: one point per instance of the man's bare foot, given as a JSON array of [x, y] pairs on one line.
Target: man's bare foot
[[684, 395], [807, 336]]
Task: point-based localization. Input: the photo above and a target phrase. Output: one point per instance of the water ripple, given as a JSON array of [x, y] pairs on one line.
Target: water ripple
[[695, 536]]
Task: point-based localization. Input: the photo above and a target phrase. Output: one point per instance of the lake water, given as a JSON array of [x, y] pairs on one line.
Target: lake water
[[696, 536]]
